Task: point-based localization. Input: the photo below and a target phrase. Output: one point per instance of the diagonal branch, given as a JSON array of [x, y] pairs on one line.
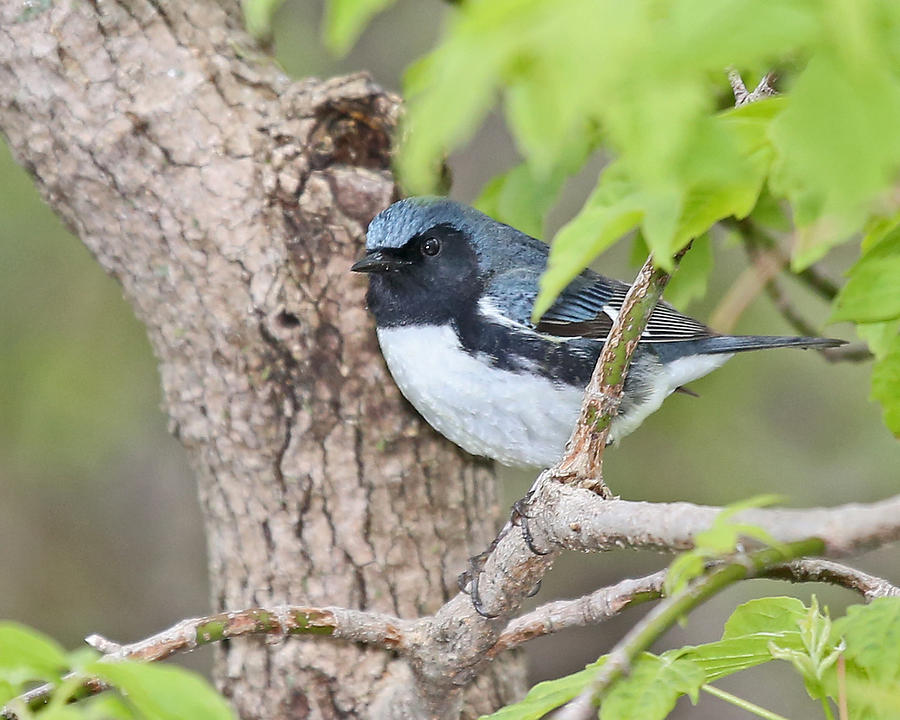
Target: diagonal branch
[[582, 463], [761, 248]]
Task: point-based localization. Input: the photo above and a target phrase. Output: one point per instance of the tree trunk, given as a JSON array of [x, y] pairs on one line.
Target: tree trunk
[[229, 202]]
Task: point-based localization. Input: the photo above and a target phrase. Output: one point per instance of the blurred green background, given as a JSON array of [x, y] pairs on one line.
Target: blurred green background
[[99, 524]]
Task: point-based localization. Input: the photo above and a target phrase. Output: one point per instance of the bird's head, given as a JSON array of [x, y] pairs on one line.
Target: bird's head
[[428, 257]]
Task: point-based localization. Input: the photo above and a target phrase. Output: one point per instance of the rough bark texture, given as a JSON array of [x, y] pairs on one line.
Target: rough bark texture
[[229, 202]]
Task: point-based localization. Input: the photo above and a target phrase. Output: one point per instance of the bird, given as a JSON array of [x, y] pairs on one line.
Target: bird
[[452, 291]]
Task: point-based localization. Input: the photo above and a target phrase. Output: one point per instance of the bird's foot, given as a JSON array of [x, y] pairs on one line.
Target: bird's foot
[[468, 580], [519, 516]]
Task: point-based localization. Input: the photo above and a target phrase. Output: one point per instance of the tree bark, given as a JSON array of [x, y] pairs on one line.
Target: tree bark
[[229, 203]]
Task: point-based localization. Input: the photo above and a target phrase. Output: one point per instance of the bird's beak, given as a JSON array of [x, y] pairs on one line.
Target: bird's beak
[[379, 261]]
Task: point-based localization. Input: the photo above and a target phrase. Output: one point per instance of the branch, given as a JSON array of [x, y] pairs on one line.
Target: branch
[[742, 96], [591, 609], [569, 518], [670, 611], [828, 571], [403, 636], [583, 460], [769, 260], [607, 602], [745, 289], [367, 628]]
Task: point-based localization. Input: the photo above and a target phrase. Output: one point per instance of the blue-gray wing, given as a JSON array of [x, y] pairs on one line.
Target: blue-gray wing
[[586, 308]]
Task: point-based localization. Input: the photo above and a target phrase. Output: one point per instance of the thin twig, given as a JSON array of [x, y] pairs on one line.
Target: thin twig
[[762, 248], [582, 463], [384, 631], [567, 517], [591, 609], [742, 96], [769, 260], [843, 711], [745, 290], [813, 277], [857, 352], [368, 628], [755, 238], [669, 611], [834, 573], [607, 602]]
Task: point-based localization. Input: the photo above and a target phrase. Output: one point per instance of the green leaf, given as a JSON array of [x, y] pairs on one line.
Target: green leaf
[[689, 282], [7, 692], [662, 211], [732, 184], [62, 713], [258, 16], [449, 92], [872, 293], [872, 634], [882, 231], [164, 692], [719, 540], [26, 654], [886, 387], [613, 209], [547, 696], [652, 687], [520, 198], [841, 98], [872, 637], [107, 706], [881, 337], [769, 213], [764, 615], [346, 19], [748, 633], [818, 653], [539, 111]]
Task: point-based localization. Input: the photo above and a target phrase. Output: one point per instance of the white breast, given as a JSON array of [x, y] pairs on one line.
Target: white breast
[[516, 418]]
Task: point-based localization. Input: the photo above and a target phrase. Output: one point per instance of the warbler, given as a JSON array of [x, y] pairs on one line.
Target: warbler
[[452, 292]]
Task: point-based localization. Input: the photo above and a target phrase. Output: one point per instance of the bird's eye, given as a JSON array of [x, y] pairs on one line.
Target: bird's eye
[[431, 246]]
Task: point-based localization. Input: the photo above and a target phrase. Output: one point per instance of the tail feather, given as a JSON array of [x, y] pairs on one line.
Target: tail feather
[[740, 343]]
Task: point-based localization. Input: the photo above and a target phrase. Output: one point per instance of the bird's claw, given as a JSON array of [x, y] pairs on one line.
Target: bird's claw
[[519, 516], [468, 580]]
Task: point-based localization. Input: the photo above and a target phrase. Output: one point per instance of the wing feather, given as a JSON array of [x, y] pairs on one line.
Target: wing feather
[[590, 304]]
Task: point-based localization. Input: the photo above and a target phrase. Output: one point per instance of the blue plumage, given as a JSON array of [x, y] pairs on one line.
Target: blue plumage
[[452, 292]]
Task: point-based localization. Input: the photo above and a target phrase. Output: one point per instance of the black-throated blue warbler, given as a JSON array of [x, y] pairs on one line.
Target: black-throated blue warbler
[[452, 292]]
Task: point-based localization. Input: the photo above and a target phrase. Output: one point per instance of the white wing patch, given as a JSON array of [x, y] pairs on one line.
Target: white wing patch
[[489, 311]]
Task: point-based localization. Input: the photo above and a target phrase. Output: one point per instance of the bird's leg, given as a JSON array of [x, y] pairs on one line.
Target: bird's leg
[[468, 580], [519, 516]]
